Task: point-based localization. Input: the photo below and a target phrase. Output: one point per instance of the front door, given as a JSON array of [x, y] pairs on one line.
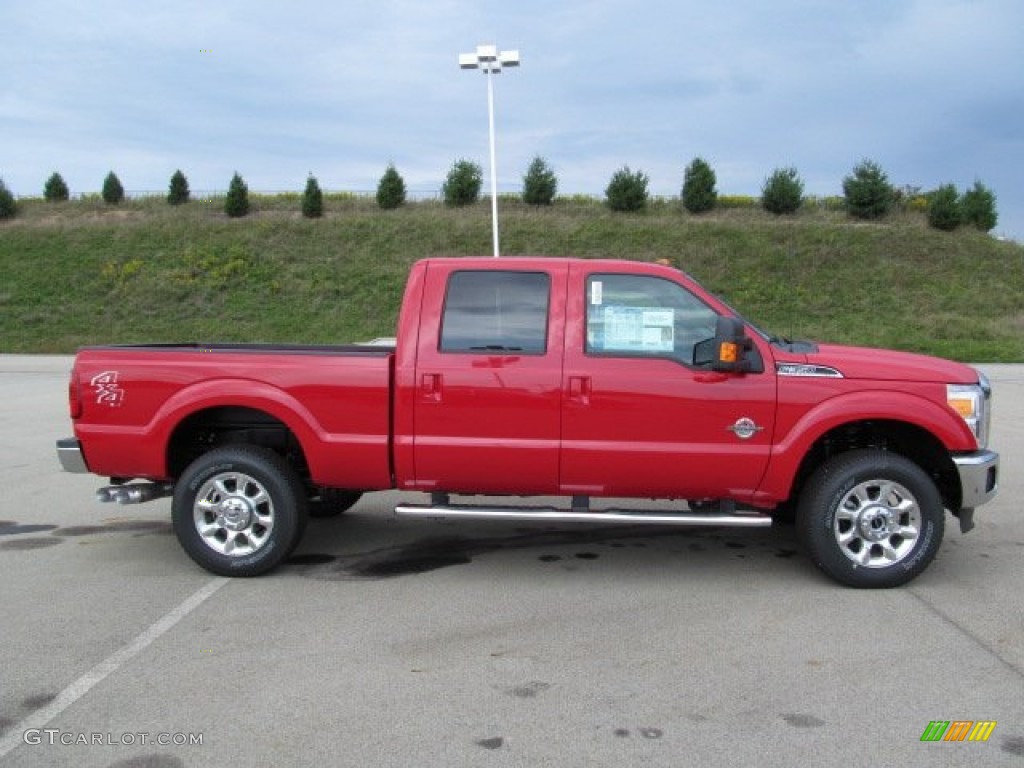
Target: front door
[[639, 419]]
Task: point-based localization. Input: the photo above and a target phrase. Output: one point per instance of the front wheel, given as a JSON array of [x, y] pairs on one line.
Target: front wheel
[[871, 519], [239, 510]]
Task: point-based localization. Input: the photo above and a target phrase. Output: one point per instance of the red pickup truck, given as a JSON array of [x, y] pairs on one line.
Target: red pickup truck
[[517, 377]]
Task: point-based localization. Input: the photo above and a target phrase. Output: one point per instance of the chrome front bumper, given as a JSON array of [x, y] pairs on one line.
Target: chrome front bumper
[[979, 477], [69, 451]]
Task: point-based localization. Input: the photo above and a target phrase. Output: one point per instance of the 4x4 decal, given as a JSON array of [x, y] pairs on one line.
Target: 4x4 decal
[[108, 390]]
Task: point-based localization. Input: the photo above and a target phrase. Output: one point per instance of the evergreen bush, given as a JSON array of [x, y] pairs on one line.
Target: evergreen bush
[[391, 189], [462, 185], [699, 193], [782, 192], [944, 208], [55, 190], [867, 191], [113, 192], [627, 190], [236, 204], [540, 183], [8, 206], [178, 192], [978, 206], [312, 199]]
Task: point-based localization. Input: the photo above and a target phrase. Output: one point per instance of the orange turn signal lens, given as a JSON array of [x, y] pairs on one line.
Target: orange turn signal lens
[[728, 352], [963, 406]]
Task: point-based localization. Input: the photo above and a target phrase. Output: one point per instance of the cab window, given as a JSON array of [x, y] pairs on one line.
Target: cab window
[[496, 311], [644, 316]]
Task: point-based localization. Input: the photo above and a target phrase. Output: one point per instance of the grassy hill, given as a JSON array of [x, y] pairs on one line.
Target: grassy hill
[[84, 273]]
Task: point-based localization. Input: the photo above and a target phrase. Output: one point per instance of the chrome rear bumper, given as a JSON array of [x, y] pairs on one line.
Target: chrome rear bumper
[[69, 451]]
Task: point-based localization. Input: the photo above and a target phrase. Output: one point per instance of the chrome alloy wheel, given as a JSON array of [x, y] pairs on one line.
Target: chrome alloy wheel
[[233, 514], [877, 523]]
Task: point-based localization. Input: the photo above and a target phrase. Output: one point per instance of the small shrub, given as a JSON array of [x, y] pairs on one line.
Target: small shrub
[[944, 208], [540, 185], [627, 190], [782, 192], [917, 204], [904, 195], [236, 204], [736, 201], [391, 189], [55, 190], [867, 192], [978, 206], [826, 203], [342, 199], [312, 199], [580, 200], [8, 206], [119, 273], [212, 266], [699, 193], [113, 192], [178, 193], [462, 185]]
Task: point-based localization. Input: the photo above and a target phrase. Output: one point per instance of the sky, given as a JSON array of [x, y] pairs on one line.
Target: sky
[[931, 90]]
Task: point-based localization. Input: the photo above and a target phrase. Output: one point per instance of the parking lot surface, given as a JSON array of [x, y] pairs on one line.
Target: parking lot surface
[[388, 642]]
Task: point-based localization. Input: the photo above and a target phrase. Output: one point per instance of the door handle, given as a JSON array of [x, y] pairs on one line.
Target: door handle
[[710, 377], [579, 389], [430, 386]]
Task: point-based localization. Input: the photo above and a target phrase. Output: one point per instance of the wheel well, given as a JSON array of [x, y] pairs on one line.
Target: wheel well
[[908, 440], [231, 425]]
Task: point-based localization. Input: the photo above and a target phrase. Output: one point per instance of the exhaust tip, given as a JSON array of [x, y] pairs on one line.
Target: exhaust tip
[[106, 495], [134, 494]]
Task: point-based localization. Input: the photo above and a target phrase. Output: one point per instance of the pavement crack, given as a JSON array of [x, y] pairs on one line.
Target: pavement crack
[[976, 639]]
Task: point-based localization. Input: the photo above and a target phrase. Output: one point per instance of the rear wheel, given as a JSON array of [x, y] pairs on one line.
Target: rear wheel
[[870, 518], [239, 510]]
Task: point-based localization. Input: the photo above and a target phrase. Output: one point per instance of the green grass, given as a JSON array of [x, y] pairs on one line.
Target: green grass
[[83, 272]]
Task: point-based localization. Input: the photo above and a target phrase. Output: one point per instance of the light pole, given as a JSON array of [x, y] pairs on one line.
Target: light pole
[[490, 61]]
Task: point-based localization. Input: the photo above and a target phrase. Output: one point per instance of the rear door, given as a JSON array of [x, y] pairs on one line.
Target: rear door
[[488, 378], [639, 418]]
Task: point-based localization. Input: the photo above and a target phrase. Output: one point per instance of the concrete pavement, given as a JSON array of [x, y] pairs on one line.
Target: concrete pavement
[[391, 642]]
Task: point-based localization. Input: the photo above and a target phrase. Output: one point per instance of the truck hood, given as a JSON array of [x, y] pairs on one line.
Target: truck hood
[[882, 364]]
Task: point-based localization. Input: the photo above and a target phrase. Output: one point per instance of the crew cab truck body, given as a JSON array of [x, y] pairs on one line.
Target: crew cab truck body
[[523, 377]]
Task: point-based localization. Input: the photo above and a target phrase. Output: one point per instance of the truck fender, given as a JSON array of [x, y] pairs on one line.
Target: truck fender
[[873, 405], [244, 393]]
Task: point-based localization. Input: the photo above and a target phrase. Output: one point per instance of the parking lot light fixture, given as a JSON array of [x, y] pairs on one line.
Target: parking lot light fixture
[[489, 60]]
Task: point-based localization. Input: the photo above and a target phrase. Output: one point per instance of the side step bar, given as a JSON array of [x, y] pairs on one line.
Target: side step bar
[[553, 515]]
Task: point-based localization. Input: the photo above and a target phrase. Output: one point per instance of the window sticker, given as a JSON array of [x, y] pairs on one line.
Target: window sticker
[[639, 329], [596, 293]]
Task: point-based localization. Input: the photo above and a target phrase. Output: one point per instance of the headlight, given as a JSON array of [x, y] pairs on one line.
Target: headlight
[[971, 401]]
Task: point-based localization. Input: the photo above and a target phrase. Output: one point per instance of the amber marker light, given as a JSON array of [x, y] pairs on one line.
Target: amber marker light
[[729, 352]]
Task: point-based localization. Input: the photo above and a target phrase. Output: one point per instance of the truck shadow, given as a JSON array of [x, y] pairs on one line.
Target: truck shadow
[[564, 547]]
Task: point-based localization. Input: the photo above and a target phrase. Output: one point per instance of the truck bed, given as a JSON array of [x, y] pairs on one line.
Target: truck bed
[[141, 403], [375, 348]]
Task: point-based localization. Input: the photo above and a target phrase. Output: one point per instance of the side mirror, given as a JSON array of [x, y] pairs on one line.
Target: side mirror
[[730, 351]]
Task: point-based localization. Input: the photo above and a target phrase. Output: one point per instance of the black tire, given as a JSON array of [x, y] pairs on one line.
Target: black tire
[[331, 502], [239, 510], [871, 519]]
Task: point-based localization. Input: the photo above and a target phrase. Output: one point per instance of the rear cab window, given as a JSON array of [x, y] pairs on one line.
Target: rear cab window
[[496, 311]]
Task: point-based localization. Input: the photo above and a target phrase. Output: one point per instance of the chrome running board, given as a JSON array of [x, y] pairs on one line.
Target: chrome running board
[[553, 515]]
